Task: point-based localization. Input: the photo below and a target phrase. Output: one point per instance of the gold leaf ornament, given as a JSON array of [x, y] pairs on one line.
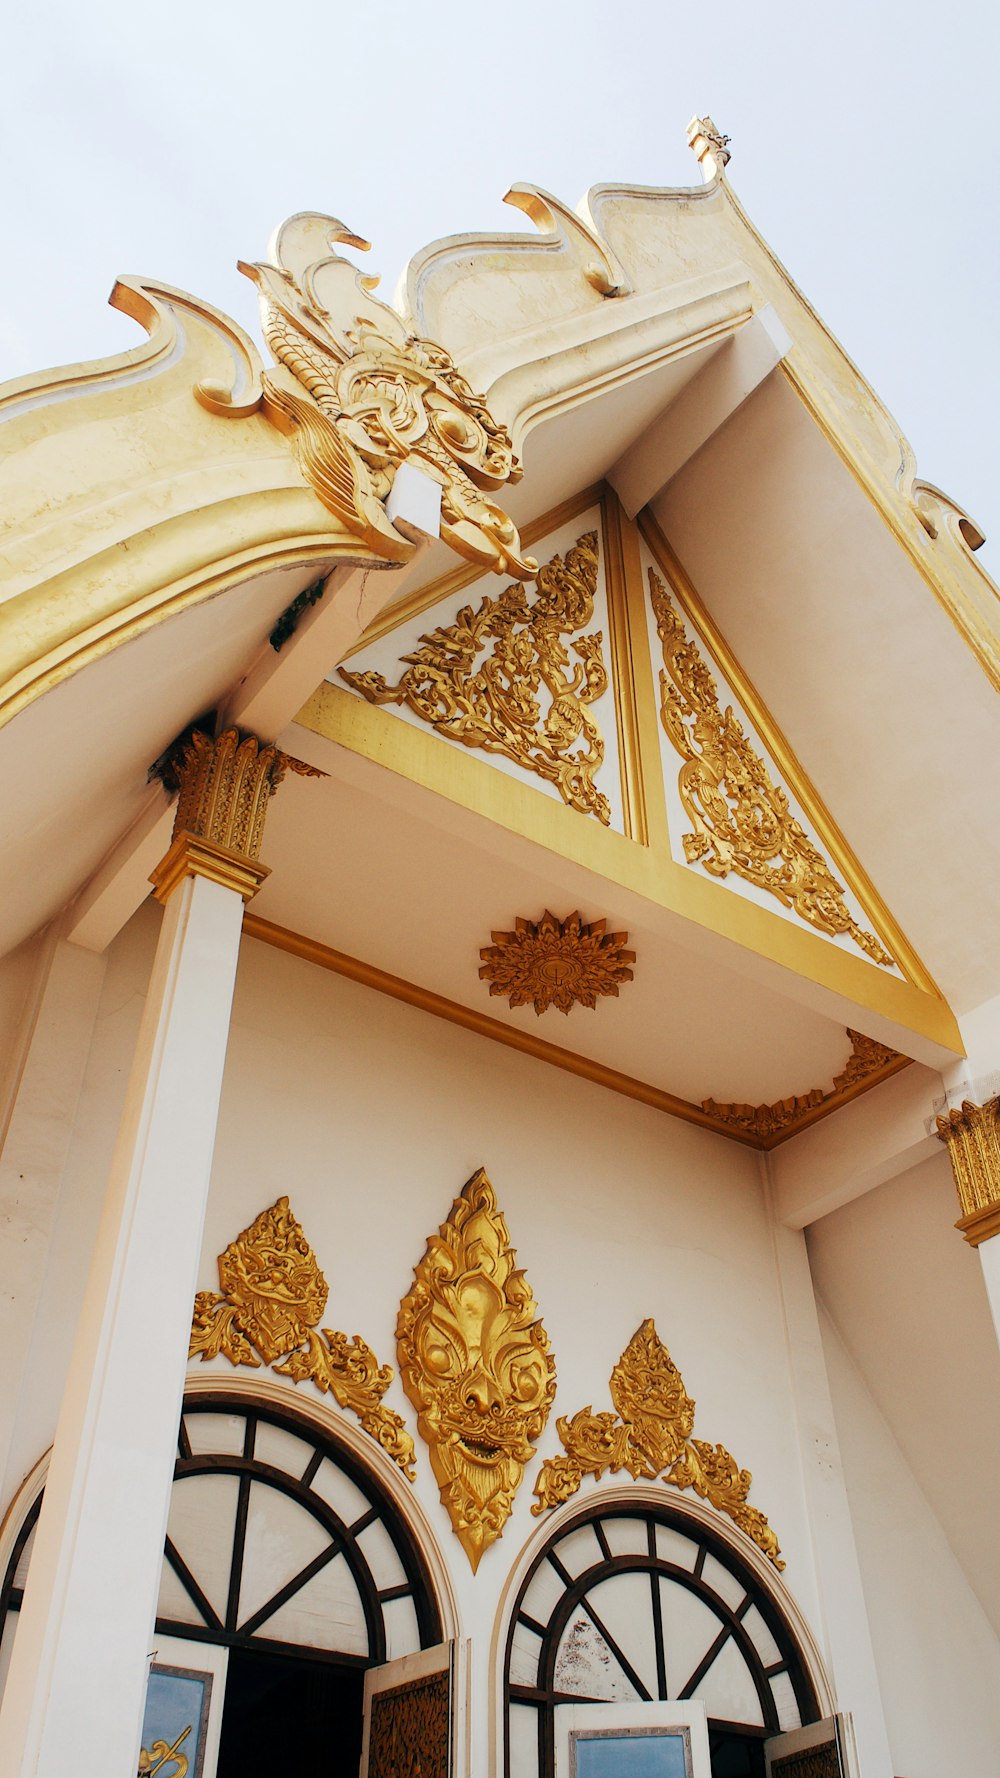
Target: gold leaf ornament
[[501, 679], [740, 818], [650, 1436], [475, 1362], [273, 1297], [551, 962]]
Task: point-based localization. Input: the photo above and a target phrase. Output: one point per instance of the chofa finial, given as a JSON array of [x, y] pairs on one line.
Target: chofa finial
[[710, 145]]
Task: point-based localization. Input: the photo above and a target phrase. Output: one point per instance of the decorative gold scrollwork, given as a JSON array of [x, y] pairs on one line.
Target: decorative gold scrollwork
[[650, 1436], [741, 819], [475, 1363], [273, 1295], [376, 397], [496, 703], [867, 1059]]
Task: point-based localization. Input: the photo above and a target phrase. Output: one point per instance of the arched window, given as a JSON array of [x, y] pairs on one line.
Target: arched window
[[285, 1549], [633, 1603]]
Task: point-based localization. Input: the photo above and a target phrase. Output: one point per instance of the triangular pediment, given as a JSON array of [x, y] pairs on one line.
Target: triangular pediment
[[597, 711]]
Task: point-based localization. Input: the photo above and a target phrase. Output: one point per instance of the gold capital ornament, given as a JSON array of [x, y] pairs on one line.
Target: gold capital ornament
[[972, 1137], [272, 1298], [650, 1435], [475, 1362], [224, 785], [360, 395]]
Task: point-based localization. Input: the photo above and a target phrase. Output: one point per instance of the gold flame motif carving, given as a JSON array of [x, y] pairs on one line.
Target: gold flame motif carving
[[868, 1058], [496, 703], [475, 1363], [376, 397], [273, 1296], [559, 963], [650, 1436], [740, 817]]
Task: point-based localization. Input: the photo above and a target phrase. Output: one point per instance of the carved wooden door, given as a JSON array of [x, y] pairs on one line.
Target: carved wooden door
[[410, 1726], [821, 1750]]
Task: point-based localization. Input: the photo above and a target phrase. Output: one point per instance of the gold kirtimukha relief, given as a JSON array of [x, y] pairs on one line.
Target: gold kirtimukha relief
[[651, 1436], [500, 678], [360, 395], [273, 1295], [972, 1137], [867, 1060], [741, 819], [554, 962], [475, 1362]]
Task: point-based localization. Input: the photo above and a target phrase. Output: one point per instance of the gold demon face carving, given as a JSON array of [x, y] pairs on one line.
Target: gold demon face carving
[[270, 1273], [649, 1393], [476, 1365]]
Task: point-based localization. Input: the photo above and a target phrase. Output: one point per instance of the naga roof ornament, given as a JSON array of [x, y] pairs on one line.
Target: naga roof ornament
[[360, 396]]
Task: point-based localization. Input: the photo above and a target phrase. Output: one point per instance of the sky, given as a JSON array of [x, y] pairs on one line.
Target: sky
[[167, 142]]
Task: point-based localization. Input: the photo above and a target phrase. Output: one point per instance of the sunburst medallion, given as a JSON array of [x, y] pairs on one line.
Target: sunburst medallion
[[559, 963]]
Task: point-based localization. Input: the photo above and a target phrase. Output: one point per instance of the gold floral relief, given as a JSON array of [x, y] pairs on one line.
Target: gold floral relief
[[740, 818], [272, 1298], [650, 1435], [501, 678], [552, 962], [475, 1362]]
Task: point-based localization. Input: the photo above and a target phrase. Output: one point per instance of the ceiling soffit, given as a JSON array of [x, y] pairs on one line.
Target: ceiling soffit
[[559, 712]]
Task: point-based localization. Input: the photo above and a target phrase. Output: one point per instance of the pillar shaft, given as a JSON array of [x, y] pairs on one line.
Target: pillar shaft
[[77, 1680]]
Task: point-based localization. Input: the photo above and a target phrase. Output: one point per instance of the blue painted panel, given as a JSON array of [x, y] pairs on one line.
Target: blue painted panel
[[657, 1755]]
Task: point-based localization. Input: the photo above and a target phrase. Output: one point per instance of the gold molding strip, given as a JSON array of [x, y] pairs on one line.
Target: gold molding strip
[[618, 536], [415, 603], [776, 742], [368, 975], [868, 1060]]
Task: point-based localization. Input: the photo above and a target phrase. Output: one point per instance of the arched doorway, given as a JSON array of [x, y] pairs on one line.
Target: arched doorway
[[285, 1549], [630, 1602]]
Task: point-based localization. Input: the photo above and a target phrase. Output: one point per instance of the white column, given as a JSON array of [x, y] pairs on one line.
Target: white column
[[846, 1633], [77, 1680], [35, 1148], [989, 1259]]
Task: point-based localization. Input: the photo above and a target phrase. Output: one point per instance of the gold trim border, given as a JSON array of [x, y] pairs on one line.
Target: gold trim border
[[368, 975], [981, 1225]]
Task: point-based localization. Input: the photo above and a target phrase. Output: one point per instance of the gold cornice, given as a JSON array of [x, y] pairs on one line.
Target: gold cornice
[[368, 975], [972, 1138], [421, 599], [191, 856], [829, 834]]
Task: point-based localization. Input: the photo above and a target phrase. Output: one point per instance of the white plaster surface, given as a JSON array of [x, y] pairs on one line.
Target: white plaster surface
[[937, 1654]]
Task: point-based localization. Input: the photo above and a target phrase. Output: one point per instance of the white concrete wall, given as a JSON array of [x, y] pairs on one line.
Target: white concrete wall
[[937, 1655]]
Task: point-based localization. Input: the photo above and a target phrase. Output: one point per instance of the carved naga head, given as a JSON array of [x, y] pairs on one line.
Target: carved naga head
[[475, 1363]]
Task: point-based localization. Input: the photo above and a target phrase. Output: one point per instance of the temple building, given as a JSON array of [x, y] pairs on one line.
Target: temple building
[[500, 1010]]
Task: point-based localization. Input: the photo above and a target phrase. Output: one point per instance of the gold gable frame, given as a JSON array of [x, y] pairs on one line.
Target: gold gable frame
[[641, 860]]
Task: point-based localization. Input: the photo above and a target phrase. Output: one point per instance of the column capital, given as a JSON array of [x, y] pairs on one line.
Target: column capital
[[225, 784], [972, 1137]]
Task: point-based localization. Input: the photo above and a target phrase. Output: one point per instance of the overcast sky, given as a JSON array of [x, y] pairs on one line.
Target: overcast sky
[[167, 142]]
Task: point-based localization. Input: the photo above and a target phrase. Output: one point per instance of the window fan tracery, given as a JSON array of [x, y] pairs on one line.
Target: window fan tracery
[[637, 1603]]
